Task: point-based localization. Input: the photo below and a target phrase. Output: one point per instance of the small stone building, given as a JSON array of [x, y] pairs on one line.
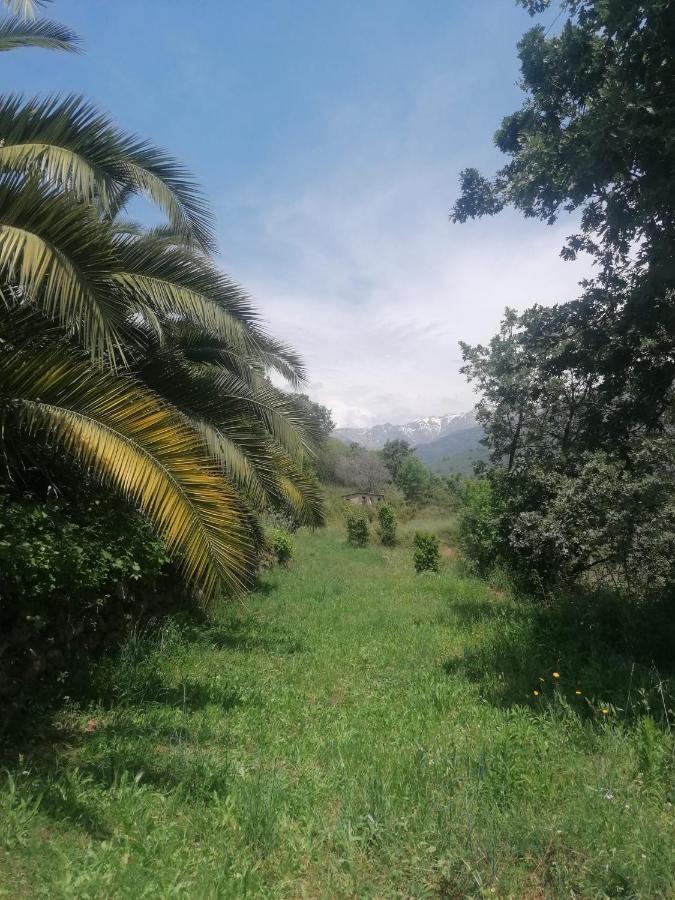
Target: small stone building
[[364, 498]]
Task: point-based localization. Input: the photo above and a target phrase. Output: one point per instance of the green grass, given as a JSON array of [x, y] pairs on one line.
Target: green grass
[[354, 730]]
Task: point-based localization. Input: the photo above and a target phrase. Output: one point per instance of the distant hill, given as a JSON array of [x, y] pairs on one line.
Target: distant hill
[[455, 451], [420, 432]]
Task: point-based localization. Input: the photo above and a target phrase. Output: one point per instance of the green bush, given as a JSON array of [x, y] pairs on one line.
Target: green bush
[[283, 546], [51, 552], [358, 532], [387, 526], [478, 525], [414, 479], [427, 552], [73, 574]]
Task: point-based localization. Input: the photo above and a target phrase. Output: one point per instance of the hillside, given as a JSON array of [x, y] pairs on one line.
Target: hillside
[[456, 451]]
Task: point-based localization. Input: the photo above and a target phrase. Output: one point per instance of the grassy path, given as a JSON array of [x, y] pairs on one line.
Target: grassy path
[[354, 731]]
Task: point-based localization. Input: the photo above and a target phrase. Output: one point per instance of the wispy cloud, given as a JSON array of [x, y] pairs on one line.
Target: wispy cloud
[[358, 266], [366, 276]]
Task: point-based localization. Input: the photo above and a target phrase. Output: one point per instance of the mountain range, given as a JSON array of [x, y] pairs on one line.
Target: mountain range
[[449, 443], [417, 433]]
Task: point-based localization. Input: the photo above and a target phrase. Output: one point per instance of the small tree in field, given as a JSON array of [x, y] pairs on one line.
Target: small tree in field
[[414, 479], [282, 544], [358, 532], [387, 526], [427, 554]]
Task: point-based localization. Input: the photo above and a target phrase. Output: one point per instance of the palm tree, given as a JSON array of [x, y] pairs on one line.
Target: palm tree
[[23, 29], [129, 349]]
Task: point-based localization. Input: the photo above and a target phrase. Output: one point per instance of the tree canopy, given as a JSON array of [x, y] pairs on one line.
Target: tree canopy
[[577, 399]]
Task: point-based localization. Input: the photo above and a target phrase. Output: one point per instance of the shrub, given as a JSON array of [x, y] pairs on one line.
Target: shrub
[[283, 546], [427, 553], [284, 519], [387, 526], [74, 573], [478, 524], [358, 532]]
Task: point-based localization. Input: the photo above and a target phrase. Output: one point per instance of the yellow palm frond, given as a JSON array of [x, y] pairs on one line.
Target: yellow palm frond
[[129, 439]]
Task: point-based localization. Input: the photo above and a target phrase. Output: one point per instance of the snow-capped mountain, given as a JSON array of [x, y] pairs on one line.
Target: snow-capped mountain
[[421, 431]]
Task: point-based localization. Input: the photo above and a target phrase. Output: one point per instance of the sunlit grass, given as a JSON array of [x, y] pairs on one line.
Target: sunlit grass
[[353, 730]]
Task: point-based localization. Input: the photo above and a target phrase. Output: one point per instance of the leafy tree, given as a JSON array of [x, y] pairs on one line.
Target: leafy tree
[[414, 480], [126, 348], [577, 399], [393, 454], [594, 136], [362, 469]]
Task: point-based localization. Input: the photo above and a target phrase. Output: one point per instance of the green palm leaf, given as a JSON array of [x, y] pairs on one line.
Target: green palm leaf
[[59, 256], [74, 145], [130, 440], [258, 435], [175, 282], [17, 31]]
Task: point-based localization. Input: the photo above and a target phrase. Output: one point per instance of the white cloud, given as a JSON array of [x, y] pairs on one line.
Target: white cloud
[[368, 279]]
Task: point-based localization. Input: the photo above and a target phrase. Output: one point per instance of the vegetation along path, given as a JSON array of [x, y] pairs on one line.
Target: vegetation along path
[[354, 730]]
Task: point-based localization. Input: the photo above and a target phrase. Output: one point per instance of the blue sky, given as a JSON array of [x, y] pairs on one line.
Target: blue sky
[[329, 137]]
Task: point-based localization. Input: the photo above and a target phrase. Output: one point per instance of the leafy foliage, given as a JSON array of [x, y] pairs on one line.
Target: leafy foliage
[[478, 524], [72, 569], [387, 522], [358, 532], [356, 467], [321, 416], [414, 479], [283, 547], [394, 453], [594, 136], [577, 400], [426, 557], [51, 553]]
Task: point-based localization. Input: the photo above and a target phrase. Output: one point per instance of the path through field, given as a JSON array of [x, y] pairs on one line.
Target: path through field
[[354, 730]]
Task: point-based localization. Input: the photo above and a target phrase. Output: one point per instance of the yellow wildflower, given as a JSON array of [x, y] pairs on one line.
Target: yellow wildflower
[[605, 710], [556, 674], [536, 693], [578, 693]]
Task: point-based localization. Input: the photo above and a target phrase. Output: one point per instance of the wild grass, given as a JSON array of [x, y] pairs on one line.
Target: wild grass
[[353, 730]]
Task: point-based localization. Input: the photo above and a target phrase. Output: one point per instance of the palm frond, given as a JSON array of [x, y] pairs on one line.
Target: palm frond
[[214, 394], [281, 479], [199, 346], [279, 357], [17, 31], [262, 471], [179, 284], [131, 441], [234, 460], [26, 8], [73, 144], [168, 184], [58, 255]]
